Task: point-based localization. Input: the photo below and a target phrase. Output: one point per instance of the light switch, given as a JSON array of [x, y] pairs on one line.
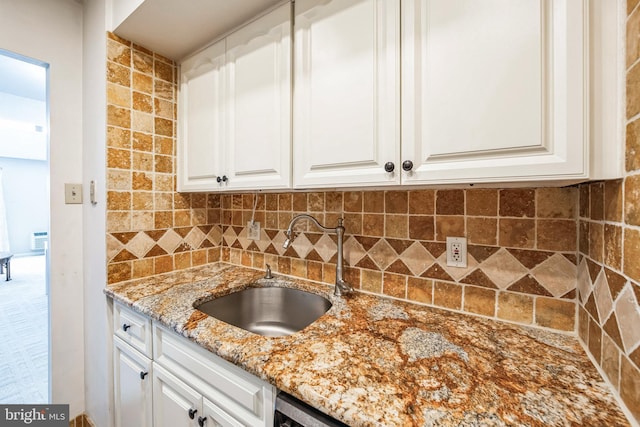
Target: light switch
[[72, 193]]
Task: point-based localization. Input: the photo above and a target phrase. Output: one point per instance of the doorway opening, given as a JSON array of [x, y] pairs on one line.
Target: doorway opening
[[24, 231]]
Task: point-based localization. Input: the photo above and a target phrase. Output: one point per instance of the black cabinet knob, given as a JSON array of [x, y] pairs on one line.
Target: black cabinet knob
[[218, 179], [125, 327], [143, 374], [221, 179], [389, 167], [192, 413], [201, 421], [407, 165]]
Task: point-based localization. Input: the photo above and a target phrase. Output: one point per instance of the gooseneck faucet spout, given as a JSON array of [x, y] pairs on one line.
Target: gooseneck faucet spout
[[342, 287]]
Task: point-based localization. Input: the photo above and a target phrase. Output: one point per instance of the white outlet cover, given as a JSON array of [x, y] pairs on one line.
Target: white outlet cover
[[457, 252], [253, 230]]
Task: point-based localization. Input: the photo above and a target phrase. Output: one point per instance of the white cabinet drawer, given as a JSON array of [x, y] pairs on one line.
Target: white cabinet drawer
[[240, 393], [133, 328]]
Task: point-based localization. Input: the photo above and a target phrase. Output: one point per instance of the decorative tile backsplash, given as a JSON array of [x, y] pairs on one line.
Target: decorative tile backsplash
[[522, 246], [533, 252]]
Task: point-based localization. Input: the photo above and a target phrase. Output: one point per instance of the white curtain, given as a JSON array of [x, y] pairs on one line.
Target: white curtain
[[4, 229]]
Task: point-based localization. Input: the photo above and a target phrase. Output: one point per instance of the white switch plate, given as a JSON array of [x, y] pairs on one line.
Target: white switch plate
[[457, 251], [72, 193], [253, 230]]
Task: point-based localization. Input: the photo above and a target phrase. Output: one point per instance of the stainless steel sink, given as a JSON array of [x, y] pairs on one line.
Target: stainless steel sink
[[270, 311]]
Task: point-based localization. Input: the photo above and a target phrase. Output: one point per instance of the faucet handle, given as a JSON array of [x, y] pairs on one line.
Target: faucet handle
[[268, 274]]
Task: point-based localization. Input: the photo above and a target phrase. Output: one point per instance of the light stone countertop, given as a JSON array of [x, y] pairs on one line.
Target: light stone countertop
[[372, 361]]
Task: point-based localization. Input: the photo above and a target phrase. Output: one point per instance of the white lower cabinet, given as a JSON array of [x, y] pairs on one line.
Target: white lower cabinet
[[132, 386], [180, 383]]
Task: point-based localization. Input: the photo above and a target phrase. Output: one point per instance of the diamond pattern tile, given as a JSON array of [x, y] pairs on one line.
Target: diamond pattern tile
[[503, 268], [140, 244], [353, 251], [628, 313], [195, 238], [417, 258], [302, 246], [113, 247], [584, 281], [170, 241], [383, 254], [326, 248], [557, 274], [458, 272], [602, 296]]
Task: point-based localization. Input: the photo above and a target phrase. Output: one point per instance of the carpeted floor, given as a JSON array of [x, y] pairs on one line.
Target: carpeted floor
[[24, 345]]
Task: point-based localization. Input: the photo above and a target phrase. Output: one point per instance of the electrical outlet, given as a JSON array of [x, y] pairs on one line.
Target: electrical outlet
[[457, 251], [253, 230]]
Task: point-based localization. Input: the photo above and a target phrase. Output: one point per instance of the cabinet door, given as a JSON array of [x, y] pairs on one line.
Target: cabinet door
[[258, 140], [174, 402], [217, 417], [347, 89], [493, 90], [201, 121], [132, 386]]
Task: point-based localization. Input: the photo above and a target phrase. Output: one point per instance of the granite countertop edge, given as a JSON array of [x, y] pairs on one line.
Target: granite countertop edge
[[375, 361]]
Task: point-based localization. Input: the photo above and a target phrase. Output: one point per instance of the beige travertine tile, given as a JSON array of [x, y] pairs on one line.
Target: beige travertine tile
[[396, 226], [479, 300], [630, 386], [632, 200], [142, 62], [518, 202], [631, 5], [118, 95], [118, 200], [613, 246], [633, 38], [373, 225], [584, 201], [371, 281], [142, 161], [118, 179], [394, 285], [420, 290], [557, 275], [118, 221], [333, 201], [118, 74], [119, 272], [450, 202], [555, 313], [613, 200], [447, 295], [421, 227], [142, 268], [595, 341], [503, 268], [482, 202], [142, 82], [631, 265], [118, 159], [118, 137], [353, 201], [141, 122], [396, 202], [596, 241], [557, 235], [516, 233], [163, 264], [628, 313], [449, 226], [610, 360], [633, 91], [557, 202], [421, 202], [142, 141], [141, 220], [482, 231], [118, 116], [515, 307]]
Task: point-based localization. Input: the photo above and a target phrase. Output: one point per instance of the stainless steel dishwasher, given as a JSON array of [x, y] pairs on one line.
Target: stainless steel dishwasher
[[291, 412]]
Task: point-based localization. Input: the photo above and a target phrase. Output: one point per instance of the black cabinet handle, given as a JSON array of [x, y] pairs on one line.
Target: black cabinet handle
[[407, 165], [143, 374], [192, 413], [201, 421], [125, 327], [221, 179], [389, 167]]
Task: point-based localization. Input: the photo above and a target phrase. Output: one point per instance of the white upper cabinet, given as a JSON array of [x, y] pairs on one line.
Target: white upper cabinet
[[235, 110], [494, 91], [346, 116], [201, 121], [258, 110]]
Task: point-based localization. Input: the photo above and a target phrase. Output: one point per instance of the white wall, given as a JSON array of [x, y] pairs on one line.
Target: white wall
[[98, 375], [51, 31], [25, 186]]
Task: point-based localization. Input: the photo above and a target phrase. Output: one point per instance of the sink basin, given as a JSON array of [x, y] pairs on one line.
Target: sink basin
[[270, 311]]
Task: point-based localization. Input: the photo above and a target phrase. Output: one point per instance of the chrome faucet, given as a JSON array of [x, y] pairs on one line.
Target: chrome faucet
[[342, 287]]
